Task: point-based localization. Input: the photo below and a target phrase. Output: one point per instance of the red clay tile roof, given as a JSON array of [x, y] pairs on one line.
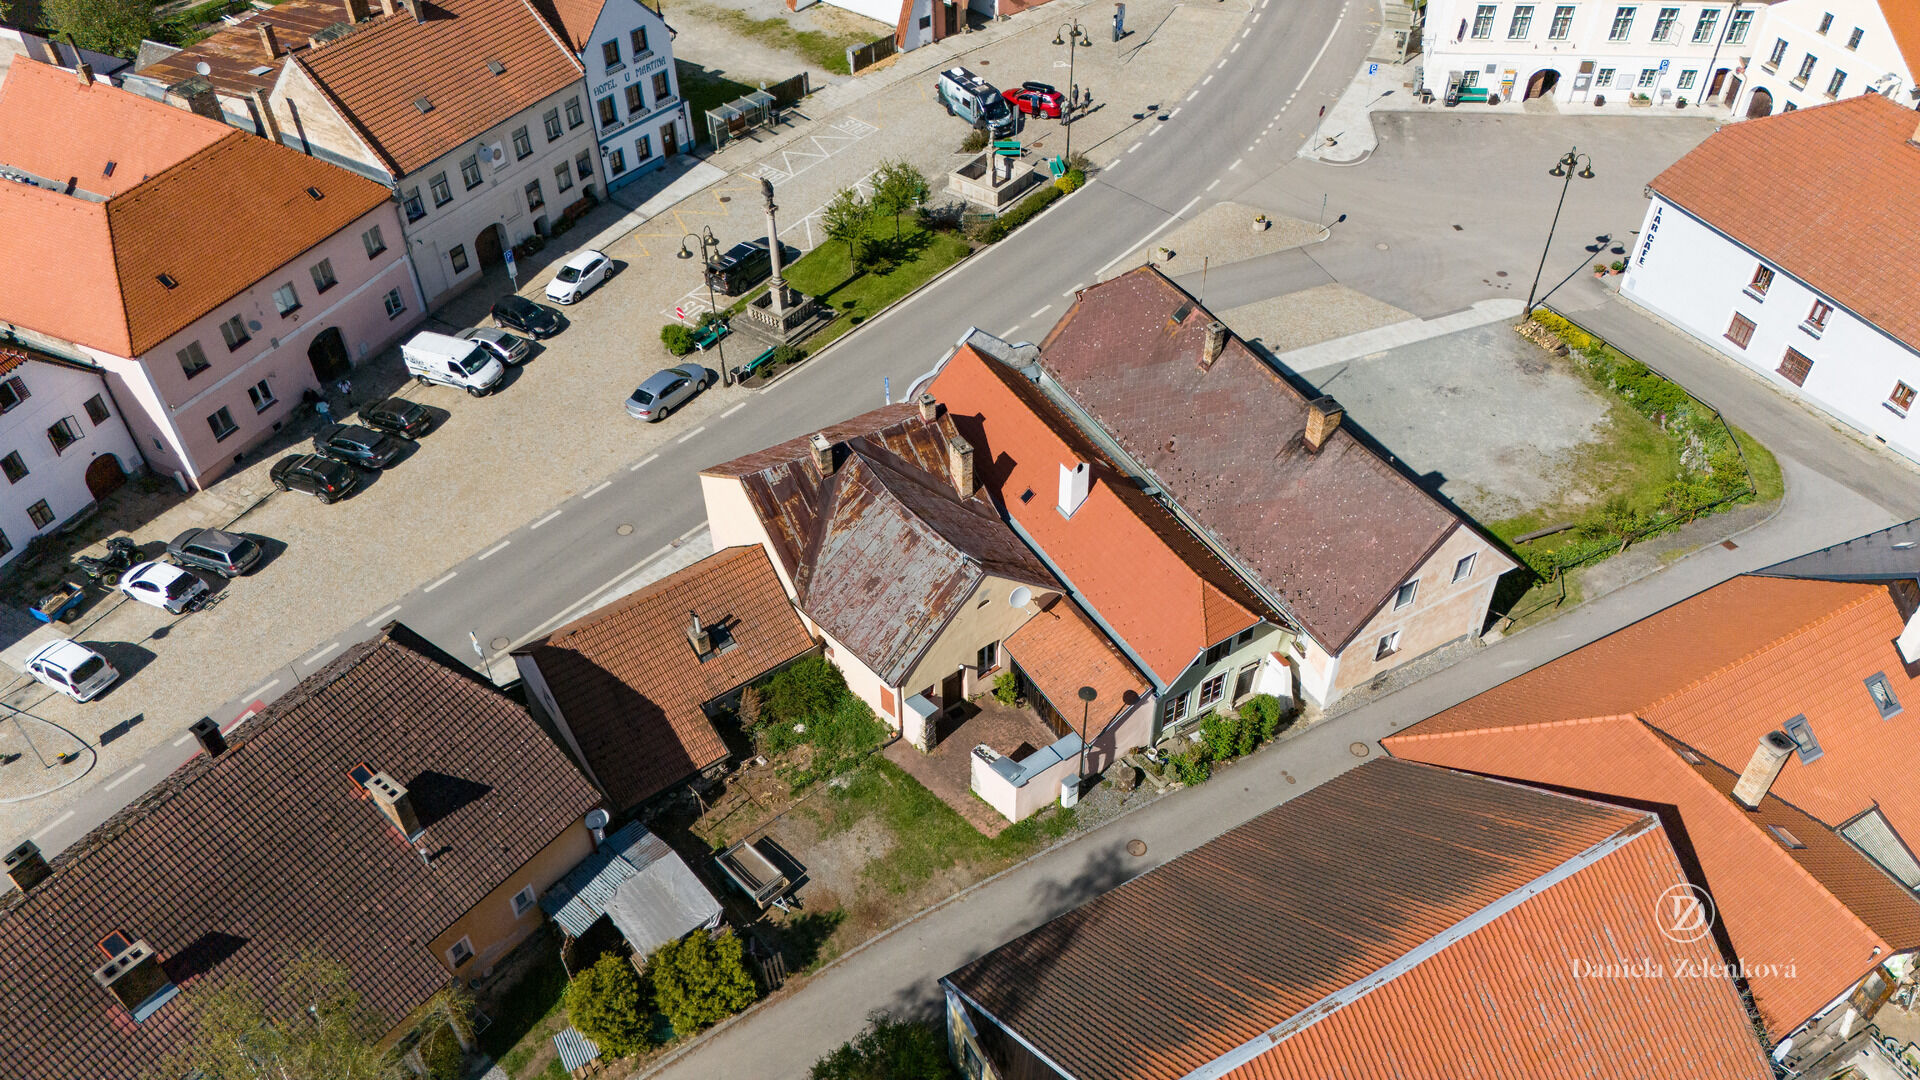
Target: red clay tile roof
[[55, 128], [234, 861], [632, 689], [1161, 590], [375, 76], [1332, 534], [1396, 921], [1848, 228], [573, 20], [234, 53], [1061, 651], [1903, 18]]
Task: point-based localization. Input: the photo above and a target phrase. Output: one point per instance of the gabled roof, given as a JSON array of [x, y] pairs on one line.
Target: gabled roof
[[235, 861], [234, 55], [1332, 534], [1903, 18], [1061, 651], [574, 20], [1396, 921], [55, 128], [1849, 229], [631, 688], [1890, 554], [1150, 581], [374, 77]]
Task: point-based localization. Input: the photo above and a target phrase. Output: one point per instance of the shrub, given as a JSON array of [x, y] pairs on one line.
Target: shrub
[[786, 354], [975, 142], [1072, 181], [700, 980], [1225, 737], [1191, 767], [888, 1049], [801, 692], [677, 337], [440, 1052], [1263, 712], [1006, 688], [1022, 212], [607, 1002]]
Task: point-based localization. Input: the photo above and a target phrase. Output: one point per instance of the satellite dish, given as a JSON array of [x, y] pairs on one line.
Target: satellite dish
[[203, 68], [597, 819], [1020, 596]]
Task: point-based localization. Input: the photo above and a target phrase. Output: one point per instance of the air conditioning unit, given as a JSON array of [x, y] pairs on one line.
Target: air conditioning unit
[[496, 154]]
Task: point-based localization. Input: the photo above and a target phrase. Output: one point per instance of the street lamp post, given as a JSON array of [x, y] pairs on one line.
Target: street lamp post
[[709, 248], [1087, 695], [1562, 168], [1072, 35]]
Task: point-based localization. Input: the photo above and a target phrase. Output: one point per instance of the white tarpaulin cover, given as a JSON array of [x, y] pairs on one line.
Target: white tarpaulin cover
[[641, 884]]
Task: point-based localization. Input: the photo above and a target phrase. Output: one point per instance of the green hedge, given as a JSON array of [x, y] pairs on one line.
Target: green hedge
[[1022, 212]]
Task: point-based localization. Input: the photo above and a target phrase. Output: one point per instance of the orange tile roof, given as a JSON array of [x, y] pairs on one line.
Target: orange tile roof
[[1061, 651], [56, 128], [573, 20], [1848, 228], [80, 303], [233, 54], [375, 76], [1903, 18], [633, 691], [1129, 560]]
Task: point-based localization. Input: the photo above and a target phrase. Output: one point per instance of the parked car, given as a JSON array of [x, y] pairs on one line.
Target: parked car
[[315, 475], [1036, 99], [522, 314], [73, 669], [452, 361], [974, 100], [578, 276], [665, 391], [216, 549], [356, 445], [505, 347], [163, 585], [745, 265], [398, 416]]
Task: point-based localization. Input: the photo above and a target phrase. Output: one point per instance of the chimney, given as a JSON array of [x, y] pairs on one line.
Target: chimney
[[386, 7], [929, 408], [26, 866], [1073, 486], [136, 979], [268, 43], [960, 463], [197, 97], [1323, 416], [1216, 341], [392, 799], [207, 734], [356, 11], [85, 71], [1909, 640], [697, 635], [419, 9], [822, 453], [1768, 759], [263, 112]]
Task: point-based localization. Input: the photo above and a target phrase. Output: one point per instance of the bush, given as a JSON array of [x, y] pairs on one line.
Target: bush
[[1577, 339], [700, 980], [1073, 181], [1006, 688], [677, 337], [888, 1049], [440, 1052], [975, 142], [802, 692], [1191, 767], [1264, 712], [786, 354], [607, 1002], [1022, 212]]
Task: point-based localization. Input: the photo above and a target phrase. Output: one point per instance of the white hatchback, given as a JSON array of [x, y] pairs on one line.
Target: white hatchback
[[163, 585], [73, 669], [579, 276]]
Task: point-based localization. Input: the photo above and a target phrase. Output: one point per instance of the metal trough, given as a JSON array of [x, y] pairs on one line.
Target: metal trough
[[753, 873]]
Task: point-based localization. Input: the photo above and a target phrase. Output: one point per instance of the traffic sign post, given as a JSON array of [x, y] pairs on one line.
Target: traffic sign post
[[513, 271]]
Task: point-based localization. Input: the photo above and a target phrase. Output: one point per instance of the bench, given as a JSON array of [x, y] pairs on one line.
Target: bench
[[1473, 95], [752, 366], [714, 331]]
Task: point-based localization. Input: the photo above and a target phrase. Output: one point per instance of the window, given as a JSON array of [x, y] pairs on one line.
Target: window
[[643, 148], [636, 100], [1522, 22], [411, 202], [15, 468], [395, 305], [1463, 569], [1703, 30], [1901, 398], [323, 278], [222, 424], [261, 395], [1483, 22], [1647, 75], [1403, 596], [574, 119], [1211, 691], [1622, 24], [522, 143], [1882, 693], [1562, 23], [1217, 653], [1786, 838], [662, 89], [1388, 646], [97, 410], [40, 514], [462, 950], [6, 545], [458, 257], [1663, 23], [988, 657], [1853, 39], [609, 112], [610, 54], [562, 177], [1686, 79], [1243, 682], [441, 190], [1604, 78], [1818, 316], [523, 901], [1834, 84], [1740, 330], [1873, 834], [373, 241], [285, 300], [583, 165], [1738, 25], [1795, 367], [1176, 710], [534, 199], [1778, 54], [1801, 733], [235, 332], [639, 42], [193, 359], [1826, 23], [616, 162], [1244, 638], [1807, 64], [552, 122], [1762, 281]]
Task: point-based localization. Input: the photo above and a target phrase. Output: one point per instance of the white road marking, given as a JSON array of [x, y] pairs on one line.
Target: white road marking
[[1221, 64], [1075, 289], [491, 552], [56, 822], [324, 651], [691, 434], [643, 462], [623, 575], [1206, 80], [1178, 214], [1248, 30], [1236, 164], [1236, 47], [1256, 17], [1155, 130], [451, 574], [184, 739], [1012, 330], [1132, 148], [544, 520], [1213, 185], [1193, 95], [1323, 51], [123, 777], [1175, 112], [596, 489], [736, 408], [262, 692], [1041, 312], [1251, 147], [385, 615]]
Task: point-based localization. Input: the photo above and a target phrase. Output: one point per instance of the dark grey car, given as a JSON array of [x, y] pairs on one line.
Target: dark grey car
[[356, 445], [217, 550]]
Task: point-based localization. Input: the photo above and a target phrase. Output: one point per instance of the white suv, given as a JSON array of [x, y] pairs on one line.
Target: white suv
[[73, 669]]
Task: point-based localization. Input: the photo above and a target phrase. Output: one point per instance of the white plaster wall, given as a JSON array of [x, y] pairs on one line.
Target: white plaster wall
[[59, 478], [1797, 22], [868, 686], [617, 22], [1447, 49]]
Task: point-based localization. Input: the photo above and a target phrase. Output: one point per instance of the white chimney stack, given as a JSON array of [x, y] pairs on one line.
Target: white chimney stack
[[1073, 486], [1763, 769]]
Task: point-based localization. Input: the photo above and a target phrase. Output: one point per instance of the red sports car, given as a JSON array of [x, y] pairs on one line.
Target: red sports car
[[1035, 99]]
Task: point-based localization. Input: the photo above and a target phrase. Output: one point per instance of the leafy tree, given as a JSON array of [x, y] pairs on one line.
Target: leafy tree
[[845, 219], [317, 1028], [802, 692], [897, 188], [108, 26], [701, 980], [888, 1049], [608, 1004]]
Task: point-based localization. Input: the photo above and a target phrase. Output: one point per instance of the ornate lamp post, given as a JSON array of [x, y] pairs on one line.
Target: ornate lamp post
[[709, 248], [1072, 35], [1562, 168]]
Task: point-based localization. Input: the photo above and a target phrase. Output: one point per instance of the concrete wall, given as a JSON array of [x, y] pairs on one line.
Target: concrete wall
[[1695, 277], [1442, 610], [491, 926], [1797, 22], [861, 679], [984, 617], [309, 123], [59, 478]]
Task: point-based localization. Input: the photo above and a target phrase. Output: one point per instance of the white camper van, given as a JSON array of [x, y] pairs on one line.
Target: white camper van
[[452, 361]]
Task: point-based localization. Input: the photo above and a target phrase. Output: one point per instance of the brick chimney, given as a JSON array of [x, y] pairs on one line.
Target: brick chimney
[[1762, 769], [1216, 342], [197, 97], [207, 734], [929, 408], [697, 635], [822, 453], [386, 7], [393, 800], [26, 866], [268, 43], [263, 111], [419, 9], [85, 71], [356, 11], [960, 463], [1323, 417]]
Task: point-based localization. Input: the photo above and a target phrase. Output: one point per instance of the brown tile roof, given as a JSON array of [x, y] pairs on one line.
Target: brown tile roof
[[234, 54], [1061, 651], [375, 76], [1332, 534], [234, 861], [1396, 921], [1848, 228], [54, 127], [632, 689], [882, 551]]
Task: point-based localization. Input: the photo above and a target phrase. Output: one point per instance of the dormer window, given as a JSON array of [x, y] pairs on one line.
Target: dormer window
[[1883, 697], [1786, 838], [1804, 742]]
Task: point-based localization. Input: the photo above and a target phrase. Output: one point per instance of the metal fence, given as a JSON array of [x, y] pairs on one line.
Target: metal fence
[[861, 57]]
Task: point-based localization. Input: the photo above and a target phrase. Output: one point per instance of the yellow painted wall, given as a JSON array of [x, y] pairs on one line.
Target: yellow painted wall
[[490, 925], [985, 616]]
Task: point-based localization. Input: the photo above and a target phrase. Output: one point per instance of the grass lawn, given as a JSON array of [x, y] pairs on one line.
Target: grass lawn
[[529, 1015], [703, 90], [822, 50], [826, 273]]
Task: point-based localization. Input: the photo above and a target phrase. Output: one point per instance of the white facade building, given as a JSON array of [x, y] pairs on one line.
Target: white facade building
[[626, 51], [1807, 284], [1809, 52], [63, 444]]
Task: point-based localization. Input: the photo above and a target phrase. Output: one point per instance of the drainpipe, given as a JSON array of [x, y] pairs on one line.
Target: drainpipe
[[1707, 75]]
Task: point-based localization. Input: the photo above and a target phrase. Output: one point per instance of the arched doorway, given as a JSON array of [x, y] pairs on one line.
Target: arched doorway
[[104, 476], [328, 355], [487, 246], [1760, 105], [1542, 84]]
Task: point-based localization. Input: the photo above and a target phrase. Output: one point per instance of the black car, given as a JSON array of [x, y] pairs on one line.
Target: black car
[[745, 265], [315, 475], [356, 445], [398, 416], [519, 313], [217, 550]]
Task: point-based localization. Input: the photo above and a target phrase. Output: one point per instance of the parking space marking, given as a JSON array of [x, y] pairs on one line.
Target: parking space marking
[[490, 552], [543, 520], [596, 489], [325, 650], [385, 615], [123, 777], [691, 434], [736, 408], [841, 134], [451, 574], [648, 460], [262, 692], [57, 822]]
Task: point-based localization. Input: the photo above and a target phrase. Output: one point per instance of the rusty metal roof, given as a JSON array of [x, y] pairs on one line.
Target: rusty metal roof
[[236, 57]]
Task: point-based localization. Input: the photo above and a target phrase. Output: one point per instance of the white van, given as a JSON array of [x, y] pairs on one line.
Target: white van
[[452, 361]]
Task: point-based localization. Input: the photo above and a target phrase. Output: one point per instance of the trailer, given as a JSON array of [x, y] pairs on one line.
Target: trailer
[[750, 871]]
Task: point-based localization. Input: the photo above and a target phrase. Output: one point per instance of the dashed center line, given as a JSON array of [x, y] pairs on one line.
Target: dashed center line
[[1152, 131], [736, 408], [1209, 78], [1134, 147], [1235, 49], [596, 489], [1256, 17], [544, 520], [451, 574], [1236, 164], [1215, 184], [1175, 112], [123, 777], [268, 685], [1041, 312], [1193, 95], [491, 552], [643, 462], [316, 656], [56, 822], [1221, 64], [184, 739], [691, 434], [1247, 31], [1075, 289], [385, 615]]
